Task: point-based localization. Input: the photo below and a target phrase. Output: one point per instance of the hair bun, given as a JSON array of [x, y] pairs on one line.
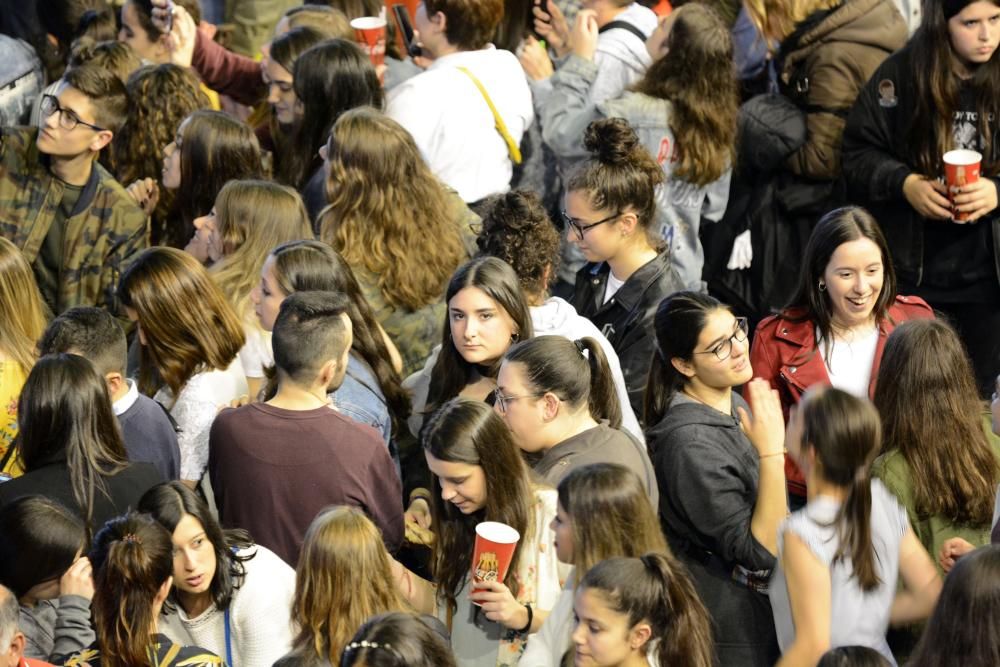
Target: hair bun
[[611, 141]]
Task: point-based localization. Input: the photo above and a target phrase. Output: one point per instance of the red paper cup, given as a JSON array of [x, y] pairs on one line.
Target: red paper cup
[[371, 31], [495, 543], [961, 167]]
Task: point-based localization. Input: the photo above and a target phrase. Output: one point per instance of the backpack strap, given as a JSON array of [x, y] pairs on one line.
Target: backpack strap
[[512, 148], [624, 25]]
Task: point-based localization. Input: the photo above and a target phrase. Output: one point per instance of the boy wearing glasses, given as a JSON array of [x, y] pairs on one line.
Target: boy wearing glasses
[[72, 220]]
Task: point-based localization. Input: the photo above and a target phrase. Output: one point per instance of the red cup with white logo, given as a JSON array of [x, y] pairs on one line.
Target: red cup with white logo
[[961, 167]]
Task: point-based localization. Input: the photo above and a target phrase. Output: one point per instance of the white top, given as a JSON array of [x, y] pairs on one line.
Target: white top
[[850, 364], [453, 126], [256, 353], [261, 630], [612, 286], [558, 317], [122, 405], [195, 410], [856, 617]]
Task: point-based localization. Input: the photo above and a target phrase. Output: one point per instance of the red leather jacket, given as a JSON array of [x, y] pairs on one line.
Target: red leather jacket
[[784, 353]]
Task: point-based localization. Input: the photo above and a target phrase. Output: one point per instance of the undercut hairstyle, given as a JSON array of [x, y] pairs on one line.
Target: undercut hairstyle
[[105, 91], [469, 24], [91, 333], [517, 229], [41, 540], [308, 332], [620, 174]]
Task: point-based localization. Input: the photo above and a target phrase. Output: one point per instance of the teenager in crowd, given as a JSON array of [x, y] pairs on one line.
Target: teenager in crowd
[[839, 558], [397, 640], [133, 563], [229, 595], [330, 78], [250, 218], [479, 475], [209, 149], [342, 547], [603, 512], [635, 612], [405, 238], [938, 460], [23, 312], [557, 398], [190, 341], [720, 471], [371, 392], [960, 631], [517, 230], [610, 215], [161, 97], [326, 458], [78, 245], [70, 445], [43, 562], [684, 111], [935, 95], [487, 312], [469, 109], [147, 430], [835, 328]]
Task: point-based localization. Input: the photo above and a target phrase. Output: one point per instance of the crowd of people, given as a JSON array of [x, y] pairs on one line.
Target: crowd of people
[[684, 296]]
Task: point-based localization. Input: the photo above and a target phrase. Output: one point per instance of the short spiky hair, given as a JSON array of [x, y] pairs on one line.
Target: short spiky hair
[[90, 332], [308, 332], [105, 91]]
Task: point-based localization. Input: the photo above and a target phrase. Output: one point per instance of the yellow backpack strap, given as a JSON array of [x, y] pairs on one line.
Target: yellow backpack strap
[[512, 148]]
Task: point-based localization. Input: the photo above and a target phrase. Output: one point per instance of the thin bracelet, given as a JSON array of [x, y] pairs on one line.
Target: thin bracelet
[[531, 617], [420, 493], [781, 453]]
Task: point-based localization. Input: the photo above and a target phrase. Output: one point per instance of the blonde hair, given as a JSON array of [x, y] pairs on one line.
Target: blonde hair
[[343, 578], [187, 322], [388, 212], [777, 19], [21, 307], [253, 218]]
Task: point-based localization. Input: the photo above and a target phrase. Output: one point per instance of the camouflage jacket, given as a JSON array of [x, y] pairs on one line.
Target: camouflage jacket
[[105, 229]]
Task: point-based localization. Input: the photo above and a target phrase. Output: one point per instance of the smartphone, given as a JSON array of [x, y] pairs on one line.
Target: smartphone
[[406, 29]]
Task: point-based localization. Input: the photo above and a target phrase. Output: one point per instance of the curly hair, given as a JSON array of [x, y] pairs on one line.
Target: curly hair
[[387, 210], [698, 79], [517, 229], [162, 96]]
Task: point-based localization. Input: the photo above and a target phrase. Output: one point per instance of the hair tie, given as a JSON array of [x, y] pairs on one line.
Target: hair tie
[[581, 348], [364, 643], [131, 538], [861, 475]]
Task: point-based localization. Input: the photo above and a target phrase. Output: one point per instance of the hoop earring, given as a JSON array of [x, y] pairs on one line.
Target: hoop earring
[[514, 337], [822, 286]]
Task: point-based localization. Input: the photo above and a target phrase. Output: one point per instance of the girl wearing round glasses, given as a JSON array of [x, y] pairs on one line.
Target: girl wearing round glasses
[[558, 399], [836, 326], [720, 471], [610, 215]]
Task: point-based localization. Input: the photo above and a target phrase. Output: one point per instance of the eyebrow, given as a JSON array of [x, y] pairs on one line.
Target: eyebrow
[[478, 310], [723, 338]]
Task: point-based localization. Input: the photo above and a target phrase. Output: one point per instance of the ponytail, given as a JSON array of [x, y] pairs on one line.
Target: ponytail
[[854, 524], [662, 384], [576, 371], [132, 559]]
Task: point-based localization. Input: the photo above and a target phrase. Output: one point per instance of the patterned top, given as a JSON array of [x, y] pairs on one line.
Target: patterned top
[[165, 654], [12, 378]]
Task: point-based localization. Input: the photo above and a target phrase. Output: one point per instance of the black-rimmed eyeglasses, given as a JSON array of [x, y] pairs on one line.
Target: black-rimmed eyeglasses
[[68, 120], [723, 350], [582, 228]]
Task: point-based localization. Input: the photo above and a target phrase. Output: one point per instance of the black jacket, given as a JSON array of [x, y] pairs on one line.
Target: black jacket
[[626, 320], [875, 150]]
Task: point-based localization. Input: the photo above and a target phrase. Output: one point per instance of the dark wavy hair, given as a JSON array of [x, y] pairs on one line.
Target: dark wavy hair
[[170, 502]]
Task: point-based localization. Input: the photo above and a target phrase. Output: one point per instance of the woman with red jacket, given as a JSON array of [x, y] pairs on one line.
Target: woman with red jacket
[[835, 328]]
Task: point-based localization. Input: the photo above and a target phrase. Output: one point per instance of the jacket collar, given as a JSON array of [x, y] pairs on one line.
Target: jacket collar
[[630, 294]]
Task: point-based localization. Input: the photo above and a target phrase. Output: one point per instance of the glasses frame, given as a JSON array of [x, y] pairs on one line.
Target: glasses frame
[[582, 229], [742, 327], [64, 114], [503, 402]]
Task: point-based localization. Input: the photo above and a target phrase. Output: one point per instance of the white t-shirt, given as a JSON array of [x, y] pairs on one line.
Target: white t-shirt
[[612, 287], [849, 365]]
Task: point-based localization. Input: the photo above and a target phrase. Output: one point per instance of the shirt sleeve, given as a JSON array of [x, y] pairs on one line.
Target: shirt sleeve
[[261, 611]]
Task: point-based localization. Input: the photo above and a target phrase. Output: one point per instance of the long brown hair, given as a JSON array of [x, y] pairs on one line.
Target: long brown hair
[[936, 90], [845, 433], [611, 514], [470, 432], [698, 79], [66, 415], [21, 307], [342, 547], [656, 588], [930, 409], [132, 559], [388, 213], [498, 281], [575, 370], [777, 20], [188, 324]]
